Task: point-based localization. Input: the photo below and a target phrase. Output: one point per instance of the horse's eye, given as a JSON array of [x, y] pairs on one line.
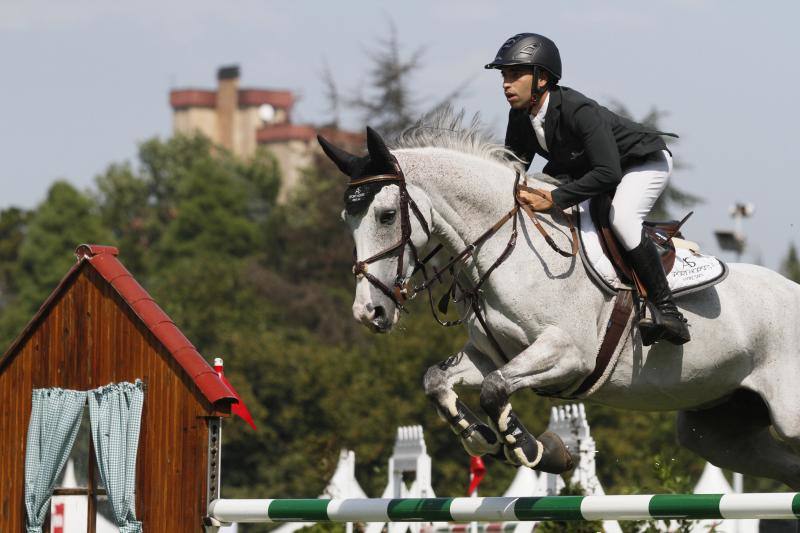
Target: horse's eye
[[387, 217]]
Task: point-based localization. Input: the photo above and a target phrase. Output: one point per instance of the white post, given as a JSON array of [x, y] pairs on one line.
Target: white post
[[473, 526], [410, 456], [738, 487]]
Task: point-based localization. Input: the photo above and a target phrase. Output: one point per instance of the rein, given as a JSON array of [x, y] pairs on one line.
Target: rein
[[402, 291]]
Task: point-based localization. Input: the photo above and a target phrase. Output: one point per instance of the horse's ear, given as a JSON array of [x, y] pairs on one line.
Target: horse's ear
[[344, 160], [376, 147]]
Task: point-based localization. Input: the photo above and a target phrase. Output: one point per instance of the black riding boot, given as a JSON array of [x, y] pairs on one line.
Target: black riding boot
[[666, 320]]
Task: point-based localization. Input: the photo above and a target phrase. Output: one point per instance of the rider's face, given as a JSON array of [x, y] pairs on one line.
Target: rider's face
[[517, 83]]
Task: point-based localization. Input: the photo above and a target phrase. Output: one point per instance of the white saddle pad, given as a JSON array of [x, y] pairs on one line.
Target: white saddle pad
[[692, 272]]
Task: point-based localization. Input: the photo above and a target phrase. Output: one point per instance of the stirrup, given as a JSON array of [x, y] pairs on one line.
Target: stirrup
[[654, 329]]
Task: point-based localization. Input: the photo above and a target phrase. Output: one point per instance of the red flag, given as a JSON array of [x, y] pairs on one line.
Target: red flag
[[239, 408], [476, 472]]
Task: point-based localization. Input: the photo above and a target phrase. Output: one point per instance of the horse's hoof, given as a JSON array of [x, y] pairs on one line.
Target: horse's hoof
[[556, 458]]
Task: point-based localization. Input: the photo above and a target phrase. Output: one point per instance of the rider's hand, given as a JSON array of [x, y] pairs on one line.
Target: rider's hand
[[538, 199]]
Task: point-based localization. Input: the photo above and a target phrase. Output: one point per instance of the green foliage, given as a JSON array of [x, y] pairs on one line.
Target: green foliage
[[790, 266], [672, 479], [12, 231], [63, 220], [622, 459]]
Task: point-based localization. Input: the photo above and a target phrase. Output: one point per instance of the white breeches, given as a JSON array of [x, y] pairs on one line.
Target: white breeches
[[636, 193]]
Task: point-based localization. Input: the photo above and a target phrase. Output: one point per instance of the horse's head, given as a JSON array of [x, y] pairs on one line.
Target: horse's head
[[388, 228]]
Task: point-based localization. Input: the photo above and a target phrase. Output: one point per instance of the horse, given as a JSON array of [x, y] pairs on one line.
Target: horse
[[540, 316]]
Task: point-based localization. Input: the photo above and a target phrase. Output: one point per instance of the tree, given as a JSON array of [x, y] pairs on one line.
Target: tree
[[332, 96], [790, 266], [389, 104], [66, 218], [672, 197], [12, 232]]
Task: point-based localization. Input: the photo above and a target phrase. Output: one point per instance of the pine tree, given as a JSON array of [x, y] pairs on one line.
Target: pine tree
[[389, 104]]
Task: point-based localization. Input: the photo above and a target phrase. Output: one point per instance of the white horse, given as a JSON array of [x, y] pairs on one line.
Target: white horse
[[734, 385]]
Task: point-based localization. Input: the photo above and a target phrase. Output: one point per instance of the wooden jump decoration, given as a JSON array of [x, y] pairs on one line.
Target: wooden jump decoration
[[630, 507]]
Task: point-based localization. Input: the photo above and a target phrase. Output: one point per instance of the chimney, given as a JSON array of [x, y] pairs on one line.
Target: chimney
[[227, 103]]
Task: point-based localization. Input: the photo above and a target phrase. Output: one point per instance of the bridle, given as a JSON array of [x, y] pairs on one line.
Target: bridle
[[398, 292], [402, 290]]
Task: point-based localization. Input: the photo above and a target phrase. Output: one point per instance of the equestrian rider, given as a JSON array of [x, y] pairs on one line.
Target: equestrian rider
[[590, 151]]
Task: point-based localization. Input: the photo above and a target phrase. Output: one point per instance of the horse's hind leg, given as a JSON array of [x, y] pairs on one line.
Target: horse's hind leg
[[736, 435], [466, 368]]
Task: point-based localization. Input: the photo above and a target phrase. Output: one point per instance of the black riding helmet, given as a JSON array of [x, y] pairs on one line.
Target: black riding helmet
[[529, 49]]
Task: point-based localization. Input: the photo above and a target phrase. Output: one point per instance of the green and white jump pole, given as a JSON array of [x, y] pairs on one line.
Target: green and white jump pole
[[504, 509]]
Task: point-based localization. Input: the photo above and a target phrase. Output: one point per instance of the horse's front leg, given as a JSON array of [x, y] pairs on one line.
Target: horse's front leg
[[551, 363], [466, 368]]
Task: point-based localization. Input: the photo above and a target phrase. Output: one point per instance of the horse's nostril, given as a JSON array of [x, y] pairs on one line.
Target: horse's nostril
[[380, 312]]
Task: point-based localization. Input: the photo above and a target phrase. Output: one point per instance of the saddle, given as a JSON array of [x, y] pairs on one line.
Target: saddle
[[687, 271], [661, 233]]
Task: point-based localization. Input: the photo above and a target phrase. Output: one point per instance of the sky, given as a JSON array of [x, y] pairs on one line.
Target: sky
[[85, 81]]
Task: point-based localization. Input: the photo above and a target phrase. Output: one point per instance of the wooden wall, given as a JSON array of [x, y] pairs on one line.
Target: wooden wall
[[90, 338]]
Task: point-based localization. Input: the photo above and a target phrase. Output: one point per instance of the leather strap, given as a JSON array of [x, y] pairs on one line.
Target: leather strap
[[574, 233], [620, 315], [535, 219], [374, 178]]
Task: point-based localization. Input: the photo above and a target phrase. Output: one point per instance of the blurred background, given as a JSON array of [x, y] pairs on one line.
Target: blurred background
[[184, 133]]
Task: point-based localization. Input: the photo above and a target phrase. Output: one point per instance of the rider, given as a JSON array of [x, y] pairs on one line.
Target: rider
[[590, 151]]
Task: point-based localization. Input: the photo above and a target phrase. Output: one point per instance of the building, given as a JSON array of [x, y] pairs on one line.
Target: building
[[99, 326], [242, 119]]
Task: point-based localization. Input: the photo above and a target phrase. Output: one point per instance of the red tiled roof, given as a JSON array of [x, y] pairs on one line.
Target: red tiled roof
[[104, 260], [285, 132], [255, 97], [183, 98]]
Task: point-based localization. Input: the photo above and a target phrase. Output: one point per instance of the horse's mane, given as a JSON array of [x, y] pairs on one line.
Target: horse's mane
[[444, 128]]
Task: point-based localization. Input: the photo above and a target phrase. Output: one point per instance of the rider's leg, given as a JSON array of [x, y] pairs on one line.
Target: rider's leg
[[467, 368], [545, 366], [637, 192]]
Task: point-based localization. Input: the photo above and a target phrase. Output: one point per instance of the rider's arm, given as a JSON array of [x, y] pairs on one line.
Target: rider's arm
[[602, 154]]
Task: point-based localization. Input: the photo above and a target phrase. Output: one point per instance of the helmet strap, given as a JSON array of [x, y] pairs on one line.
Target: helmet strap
[[536, 91]]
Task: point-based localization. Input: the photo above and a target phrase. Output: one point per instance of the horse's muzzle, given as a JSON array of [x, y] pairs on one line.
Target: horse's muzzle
[[375, 318]]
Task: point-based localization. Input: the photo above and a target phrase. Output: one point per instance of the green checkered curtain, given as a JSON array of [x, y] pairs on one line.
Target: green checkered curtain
[[55, 419], [116, 414]]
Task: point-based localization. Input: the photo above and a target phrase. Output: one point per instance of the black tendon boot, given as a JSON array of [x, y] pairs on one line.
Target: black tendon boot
[[666, 320]]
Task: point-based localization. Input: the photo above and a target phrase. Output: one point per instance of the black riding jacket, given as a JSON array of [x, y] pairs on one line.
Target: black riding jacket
[[589, 146]]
